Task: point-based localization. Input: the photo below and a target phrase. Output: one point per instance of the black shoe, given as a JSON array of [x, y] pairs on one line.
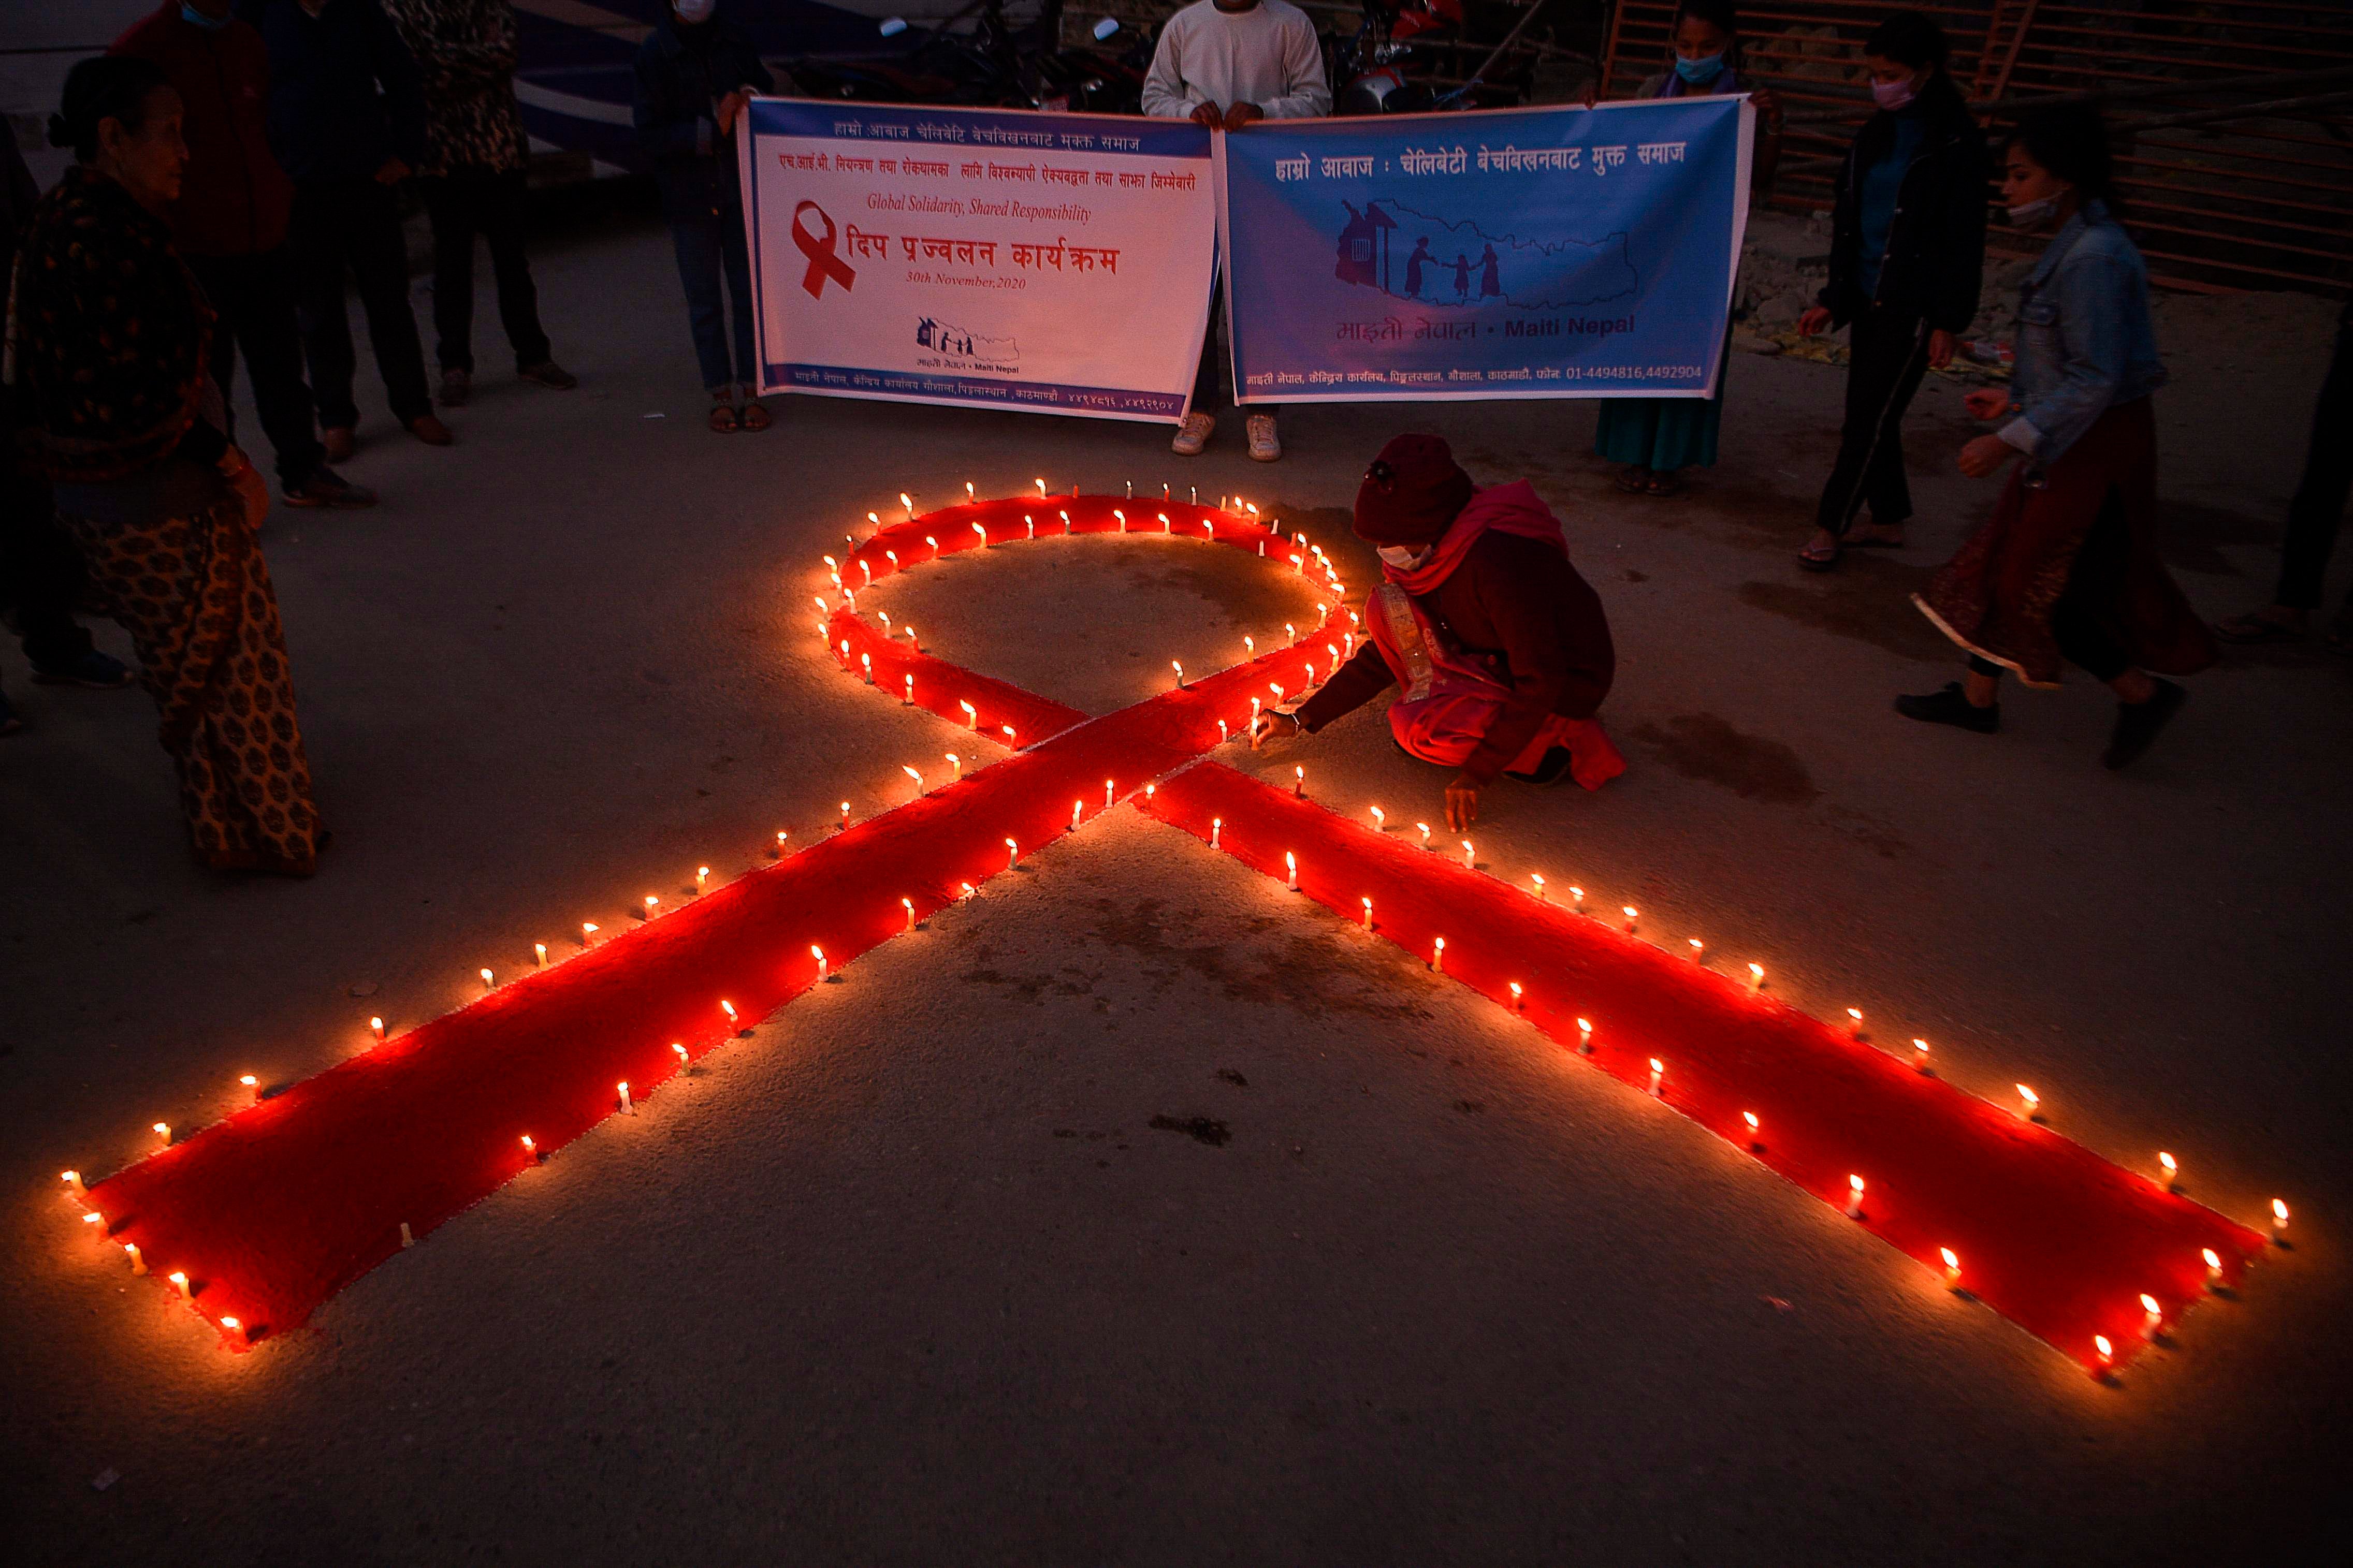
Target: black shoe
[[327, 488], [1950, 707], [93, 670], [1551, 770], [549, 374], [2139, 722]]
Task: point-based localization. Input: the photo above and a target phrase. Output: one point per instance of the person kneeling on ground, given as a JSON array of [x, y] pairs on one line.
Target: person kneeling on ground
[[1502, 648]]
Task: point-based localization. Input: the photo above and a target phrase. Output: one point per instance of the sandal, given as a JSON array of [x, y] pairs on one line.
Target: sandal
[[1876, 538], [754, 417], [1814, 558], [725, 420], [1633, 481], [1663, 486], [2254, 628]]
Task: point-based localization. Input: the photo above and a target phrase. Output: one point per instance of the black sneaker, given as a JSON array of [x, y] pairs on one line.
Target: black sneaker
[[327, 488], [2139, 722], [1950, 707], [93, 670], [1551, 770]]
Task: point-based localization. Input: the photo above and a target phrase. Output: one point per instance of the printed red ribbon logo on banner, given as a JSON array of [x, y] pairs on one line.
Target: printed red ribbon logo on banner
[[818, 249]]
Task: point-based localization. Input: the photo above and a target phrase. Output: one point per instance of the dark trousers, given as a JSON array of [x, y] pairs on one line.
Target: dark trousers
[[353, 226], [2319, 504], [2076, 620], [41, 575], [708, 250], [255, 298], [1209, 389], [1887, 354], [463, 204]]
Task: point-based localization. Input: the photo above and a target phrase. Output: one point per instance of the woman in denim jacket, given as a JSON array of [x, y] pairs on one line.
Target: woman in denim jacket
[[2067, 568]]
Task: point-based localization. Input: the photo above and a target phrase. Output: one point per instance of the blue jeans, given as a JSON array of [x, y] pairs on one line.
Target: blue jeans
[[706, 245]]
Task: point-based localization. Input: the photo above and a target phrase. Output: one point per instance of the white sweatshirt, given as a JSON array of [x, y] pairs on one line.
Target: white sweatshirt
[[1268, 56]]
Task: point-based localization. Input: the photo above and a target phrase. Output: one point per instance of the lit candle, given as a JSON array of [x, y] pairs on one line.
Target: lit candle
[[2152, 1317], [1854, 1022], [1166, 526], [873, 518], [984, 535], [1535, 881], [823, 607], [1311, 677], [653, 906], [488, 983], [72, 1179], [1291, 633], [819, 954], [914, 775], [832, 565], [907, 699], [1150, 790], [1436, 955], [1010, 743], [680, 1052], [2213, 1269], [1584, 1037], [1118, 515], [1012, 855], [1216, 825], [728, 1008], [138, 1259], [539, 953], [1180, 673], [868, 573], [968, 494], [909, 628], [252, 1086], [1298, 566], [965, 890], [2168, 1171], [1278, 689], [164, 1132], [908, 502], [1041, 490], [1249, 646], [971, 714], [1224, 734], [1291, 865], [628, 1105], [2105, 1352], [406, 1240], [1348, 642], [1369, 914], [1423, 828], [1299, 784], [1757, 977], [1076, 806], [954, 762], [2279, 1222], [1658, 1071], [1632, 917], [1575, 897], [96, 1222], [1469, 856], [375, 1025], [909, 905], [893, 557], [1253, 729], [1066, 521], [530, 1148], [180, 1279], [1381, 820], [1030, 524], [1952, 1267], [1519, 998], [1106, 794], [2029, 1103], [1756, 1128], [845, 813], [1854, 1198], [1919, 1054], [1699, 950]]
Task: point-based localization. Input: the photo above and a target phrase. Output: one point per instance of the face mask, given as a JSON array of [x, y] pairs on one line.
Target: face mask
[[1701, 71], [2035, 214], [1893, 95], [189, 14], [694, 13], [1405, 558]]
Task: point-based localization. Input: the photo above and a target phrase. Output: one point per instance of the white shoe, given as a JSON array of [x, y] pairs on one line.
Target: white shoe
[[1192, 433], [1265, 447]]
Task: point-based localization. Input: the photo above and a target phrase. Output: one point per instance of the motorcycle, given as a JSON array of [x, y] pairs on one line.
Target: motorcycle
[[995, 65], [1377, 66]]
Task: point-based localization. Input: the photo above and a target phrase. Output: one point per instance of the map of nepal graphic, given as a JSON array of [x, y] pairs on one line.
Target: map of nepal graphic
[[954, 342], [1454, 264]]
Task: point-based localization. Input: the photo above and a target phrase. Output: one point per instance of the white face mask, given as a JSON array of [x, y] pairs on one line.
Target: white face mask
[[1404, 557], [693, 12], [2035, 214]]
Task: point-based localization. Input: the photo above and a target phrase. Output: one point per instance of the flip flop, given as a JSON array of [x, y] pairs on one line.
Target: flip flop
[[1633, 481], [1663, 486], [754, 417], [723, 420], [1812, 562]]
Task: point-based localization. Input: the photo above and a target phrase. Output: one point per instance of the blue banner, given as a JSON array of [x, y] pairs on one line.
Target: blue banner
[[1510, 253]]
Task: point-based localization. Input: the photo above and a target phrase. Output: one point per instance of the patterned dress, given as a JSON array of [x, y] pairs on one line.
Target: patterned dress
[[109, 333]]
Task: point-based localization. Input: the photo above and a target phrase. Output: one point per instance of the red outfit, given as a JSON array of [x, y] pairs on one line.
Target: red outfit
[[235, 199], [1504, 610]]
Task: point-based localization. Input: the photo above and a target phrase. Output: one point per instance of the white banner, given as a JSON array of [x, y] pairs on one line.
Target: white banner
[[1055, 263]]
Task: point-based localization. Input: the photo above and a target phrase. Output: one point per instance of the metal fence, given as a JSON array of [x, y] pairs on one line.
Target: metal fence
[[2232, 119]]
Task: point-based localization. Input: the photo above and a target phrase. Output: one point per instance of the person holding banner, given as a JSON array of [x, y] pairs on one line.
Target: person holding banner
[[1501, 648], [695, 73], [1907, 255], [1222, 64], [1657, 438], [2067, 567]]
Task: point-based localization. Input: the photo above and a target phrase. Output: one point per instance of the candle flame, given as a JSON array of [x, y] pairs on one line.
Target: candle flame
[[2100, 1343], [1855, 1014], [1516, 992], [529, 1146], [1854, 1185], [2279, 1212], [2168, 1161], [2148, 1304], [1584, 1027], [2213, 1260], [680, 1050], [1757, 973], [2028, 1096], [1631, 912], [248, 1080], [163, 1131], [1750, 1118]]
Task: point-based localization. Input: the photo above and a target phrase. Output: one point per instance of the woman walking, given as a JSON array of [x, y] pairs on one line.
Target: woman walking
[[1657, 438], [109, 333], [2067, 566], [1907, 255]]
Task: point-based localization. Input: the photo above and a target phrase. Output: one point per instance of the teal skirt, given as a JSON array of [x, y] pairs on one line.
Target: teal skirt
[[1661, 434]]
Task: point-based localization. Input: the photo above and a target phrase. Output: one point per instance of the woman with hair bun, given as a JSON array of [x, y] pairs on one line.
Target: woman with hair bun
[[110, 331], [2067, 568]]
